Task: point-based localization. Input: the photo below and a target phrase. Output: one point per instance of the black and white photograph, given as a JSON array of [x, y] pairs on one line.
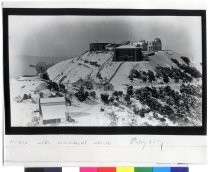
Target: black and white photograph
[[105, 70]]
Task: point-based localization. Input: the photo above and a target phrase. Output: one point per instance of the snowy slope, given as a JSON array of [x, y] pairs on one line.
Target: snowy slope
[[94, 63], [72, 70]]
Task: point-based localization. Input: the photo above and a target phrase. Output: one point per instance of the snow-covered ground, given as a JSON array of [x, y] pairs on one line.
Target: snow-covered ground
[[94, 112], [117, 73], [22, 114]]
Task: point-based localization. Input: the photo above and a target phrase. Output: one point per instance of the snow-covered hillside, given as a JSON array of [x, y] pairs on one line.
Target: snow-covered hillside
[[99, 64], [163, 90]]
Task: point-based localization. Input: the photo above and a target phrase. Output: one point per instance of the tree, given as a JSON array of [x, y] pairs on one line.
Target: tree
[[151, 76], [62, 88], [128, 99], [40, 67], [165, 79], [130, 90], [45, 76]]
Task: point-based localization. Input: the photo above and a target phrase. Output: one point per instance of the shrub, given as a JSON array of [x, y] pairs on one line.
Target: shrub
[[105, 98], [191, 70], [45, 76], [117, 93], [111, 99], [98, 75], [81, 94], [25, 96], [191, 90], [62, 88], [128, 99], [144, 79], [93, 94], [185, 59], [57, 94], [175, 61], [88, 85], [151, 76], [41, 95], [143, 111], [116, 104], [130, 90]]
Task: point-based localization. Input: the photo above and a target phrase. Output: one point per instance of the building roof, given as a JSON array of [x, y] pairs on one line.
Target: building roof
[[103, 43], [54, 112], [53, 108], [52, 100], [140, 43], [157, 40], [28, 77], [127, 47]]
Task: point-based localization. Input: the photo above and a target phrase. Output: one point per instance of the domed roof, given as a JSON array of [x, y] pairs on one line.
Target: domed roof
[[157, 40]]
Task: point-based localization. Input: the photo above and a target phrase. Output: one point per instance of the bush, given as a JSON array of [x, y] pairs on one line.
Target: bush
[[127, 99], [88, 85], [185, 59], [98, 75], [53, 86], [95, 64], [130, 90], [170, 103], [166, 79], [175, 61], [81, 94], [111, 99], [191, 90], [57, 94], [25, 97], [105, 98], [41, 95], [40, 67], [45, 76], [93, 94], [62, 88], [143, 111], [151, 76], [191, 70]]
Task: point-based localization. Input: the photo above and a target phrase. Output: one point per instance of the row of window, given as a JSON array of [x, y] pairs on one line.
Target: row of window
[[154, 48]]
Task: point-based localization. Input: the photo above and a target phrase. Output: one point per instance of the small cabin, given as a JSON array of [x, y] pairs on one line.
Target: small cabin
[[53, 110], [108, 87]]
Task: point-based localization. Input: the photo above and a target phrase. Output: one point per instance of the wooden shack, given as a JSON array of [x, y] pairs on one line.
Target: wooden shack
[[53, 110], [108, 87]]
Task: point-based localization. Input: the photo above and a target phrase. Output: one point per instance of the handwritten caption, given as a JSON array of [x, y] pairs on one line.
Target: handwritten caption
[[133, 142]]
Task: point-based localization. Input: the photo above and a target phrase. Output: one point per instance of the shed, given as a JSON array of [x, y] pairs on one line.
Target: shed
[[53, 110], [108, 86]]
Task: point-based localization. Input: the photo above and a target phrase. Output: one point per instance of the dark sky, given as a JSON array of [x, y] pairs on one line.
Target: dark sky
[[52, 38]]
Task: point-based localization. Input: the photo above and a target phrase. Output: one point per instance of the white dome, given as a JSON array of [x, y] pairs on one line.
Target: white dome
[[157, 40]]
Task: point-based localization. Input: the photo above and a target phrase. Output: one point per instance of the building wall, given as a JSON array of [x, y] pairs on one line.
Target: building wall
[[144, 47], [154, 46], [108, 87], [128, 54], [98, 46]]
